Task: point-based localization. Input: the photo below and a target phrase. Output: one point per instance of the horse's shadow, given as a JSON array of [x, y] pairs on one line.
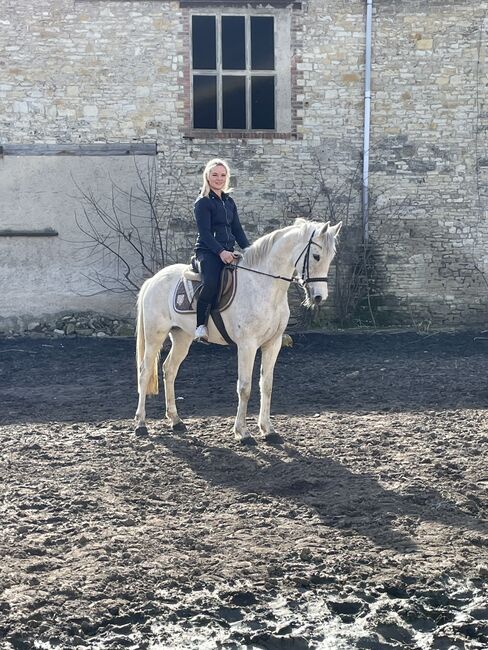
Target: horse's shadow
[[341, 498]]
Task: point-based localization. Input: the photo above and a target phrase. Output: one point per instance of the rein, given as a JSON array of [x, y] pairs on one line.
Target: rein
[[306, 266], [269, 275]]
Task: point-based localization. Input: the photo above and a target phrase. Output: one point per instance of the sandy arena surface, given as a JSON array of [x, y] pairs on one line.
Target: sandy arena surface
[[365, 529]]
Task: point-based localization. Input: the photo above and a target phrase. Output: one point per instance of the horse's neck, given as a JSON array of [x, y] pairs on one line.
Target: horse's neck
[[283, 255]]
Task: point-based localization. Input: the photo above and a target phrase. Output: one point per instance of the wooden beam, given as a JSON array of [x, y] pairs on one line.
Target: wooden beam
[[99, 149], [44, 232]]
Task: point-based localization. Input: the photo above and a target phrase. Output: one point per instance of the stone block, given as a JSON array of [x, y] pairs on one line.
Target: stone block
[[424, 44]]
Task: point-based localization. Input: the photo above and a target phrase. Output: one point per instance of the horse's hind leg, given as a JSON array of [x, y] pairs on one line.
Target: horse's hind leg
[[269, 354], [147, 378], [181, 342]]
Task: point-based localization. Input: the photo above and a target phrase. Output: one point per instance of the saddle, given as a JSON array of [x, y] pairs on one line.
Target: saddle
[[190, 285]]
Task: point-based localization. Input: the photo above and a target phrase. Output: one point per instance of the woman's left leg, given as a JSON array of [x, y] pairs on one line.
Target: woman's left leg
[[210, 269]]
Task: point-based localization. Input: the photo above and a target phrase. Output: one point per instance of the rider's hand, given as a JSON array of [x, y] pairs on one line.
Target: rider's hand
[[227, 257]]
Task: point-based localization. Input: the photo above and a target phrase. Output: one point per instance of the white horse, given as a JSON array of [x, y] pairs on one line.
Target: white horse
[[256, 318]]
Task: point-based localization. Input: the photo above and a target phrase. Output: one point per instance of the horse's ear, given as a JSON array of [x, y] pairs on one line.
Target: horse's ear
[[324, 228], [336, 229]]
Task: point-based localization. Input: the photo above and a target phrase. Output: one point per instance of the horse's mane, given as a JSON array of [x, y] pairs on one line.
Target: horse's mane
[[261, 247]]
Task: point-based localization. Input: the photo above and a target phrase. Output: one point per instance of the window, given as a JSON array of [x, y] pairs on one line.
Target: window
[[240, 71]]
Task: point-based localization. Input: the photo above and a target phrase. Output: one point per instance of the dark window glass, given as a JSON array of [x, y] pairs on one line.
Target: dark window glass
[[203, 42], [262, 43], [234, 102], [204, 102], [233, 43], [263, 103]]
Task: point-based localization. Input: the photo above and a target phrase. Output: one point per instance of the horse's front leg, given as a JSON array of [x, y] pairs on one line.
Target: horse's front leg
[[181, 342], [246, 356], [269, 354]]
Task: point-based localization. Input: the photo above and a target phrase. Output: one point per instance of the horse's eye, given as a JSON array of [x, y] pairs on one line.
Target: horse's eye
[[316, 257]]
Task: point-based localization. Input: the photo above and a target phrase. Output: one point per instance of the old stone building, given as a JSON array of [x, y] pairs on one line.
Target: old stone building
[[278, 89]]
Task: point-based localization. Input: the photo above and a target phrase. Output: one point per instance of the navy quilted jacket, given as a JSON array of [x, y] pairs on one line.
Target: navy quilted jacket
[[218, 224]]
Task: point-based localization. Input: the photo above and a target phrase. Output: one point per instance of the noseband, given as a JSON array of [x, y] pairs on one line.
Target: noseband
[[306, 279]]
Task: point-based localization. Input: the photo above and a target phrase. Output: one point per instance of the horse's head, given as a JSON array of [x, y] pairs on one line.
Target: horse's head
[[314, 262]]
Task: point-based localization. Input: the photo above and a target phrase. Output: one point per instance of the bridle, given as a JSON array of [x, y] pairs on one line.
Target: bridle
[[303, 280], [306, 263]]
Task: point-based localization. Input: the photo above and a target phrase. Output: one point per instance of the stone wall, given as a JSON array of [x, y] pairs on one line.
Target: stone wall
[[81, 71], [429, 155]]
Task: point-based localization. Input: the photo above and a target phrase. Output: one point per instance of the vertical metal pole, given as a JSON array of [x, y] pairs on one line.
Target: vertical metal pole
[[367, 120]]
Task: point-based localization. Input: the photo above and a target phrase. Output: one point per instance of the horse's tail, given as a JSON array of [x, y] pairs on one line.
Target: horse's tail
[[153, 384]]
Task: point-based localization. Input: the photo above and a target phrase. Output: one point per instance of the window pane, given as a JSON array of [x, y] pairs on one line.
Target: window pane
[[234, 102], [233, 43], [203, 42], [263, 102], [204, 102], [262, 43]]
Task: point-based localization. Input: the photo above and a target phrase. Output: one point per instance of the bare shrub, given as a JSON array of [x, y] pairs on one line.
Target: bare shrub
[[131, 234]]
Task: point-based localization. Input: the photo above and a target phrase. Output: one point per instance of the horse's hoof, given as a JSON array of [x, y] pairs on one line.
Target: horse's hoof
[[274, 439], [179, 427], [249, 441], [141, 431]]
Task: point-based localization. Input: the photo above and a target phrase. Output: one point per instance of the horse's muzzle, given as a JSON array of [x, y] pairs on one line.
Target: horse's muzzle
[[317, 300]]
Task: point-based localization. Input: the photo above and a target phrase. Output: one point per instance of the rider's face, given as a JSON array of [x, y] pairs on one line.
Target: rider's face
[[217, 178]]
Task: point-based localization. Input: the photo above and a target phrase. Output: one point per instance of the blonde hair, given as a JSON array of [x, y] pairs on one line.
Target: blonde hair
[[215, 162]]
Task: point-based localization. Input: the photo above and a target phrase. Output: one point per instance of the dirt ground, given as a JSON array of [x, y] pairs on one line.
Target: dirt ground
[[365, 529]]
